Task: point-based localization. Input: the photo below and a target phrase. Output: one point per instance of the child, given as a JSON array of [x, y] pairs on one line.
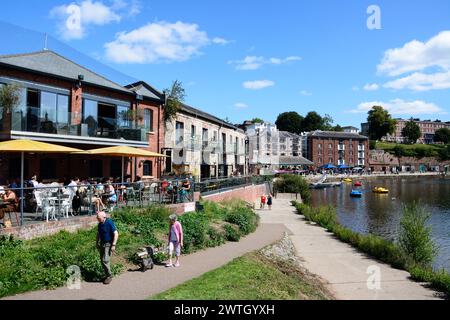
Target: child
[[263, 201], [269, 201], [175, 240]]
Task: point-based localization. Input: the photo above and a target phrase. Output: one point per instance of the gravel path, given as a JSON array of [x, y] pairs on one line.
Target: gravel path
[[139, 286]]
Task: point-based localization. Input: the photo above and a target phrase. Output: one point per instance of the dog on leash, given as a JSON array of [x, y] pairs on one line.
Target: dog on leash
[[145, 258]]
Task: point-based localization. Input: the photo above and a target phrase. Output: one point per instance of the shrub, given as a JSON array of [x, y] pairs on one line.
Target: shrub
[[194, 229], [415, 236], [216, 238], [293, 184], [244, 218], [232, 233]]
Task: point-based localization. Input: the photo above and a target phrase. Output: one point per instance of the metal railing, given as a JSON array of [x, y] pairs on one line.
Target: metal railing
[[216, 185], [56, 201]]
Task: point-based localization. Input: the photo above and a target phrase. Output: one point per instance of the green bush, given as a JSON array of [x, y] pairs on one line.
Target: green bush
[[215, 238], [293, 184], [195, 226], [415, 236], [232, 233], [244, 218]]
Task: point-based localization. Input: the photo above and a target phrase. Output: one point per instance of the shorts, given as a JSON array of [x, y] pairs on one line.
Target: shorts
[[113, 198], [174, 245]]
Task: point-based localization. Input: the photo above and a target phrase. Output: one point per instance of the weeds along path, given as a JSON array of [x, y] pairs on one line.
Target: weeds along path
[[351, 275], [135, 285]]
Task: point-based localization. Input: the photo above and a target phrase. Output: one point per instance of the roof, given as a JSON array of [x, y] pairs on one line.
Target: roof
[[144, 89], [294, 161], [337, 135], [285, 134], [206, 116], [350, 127], [51, 63]]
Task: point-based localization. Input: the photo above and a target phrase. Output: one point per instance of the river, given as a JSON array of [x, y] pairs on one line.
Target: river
[[380, 214]]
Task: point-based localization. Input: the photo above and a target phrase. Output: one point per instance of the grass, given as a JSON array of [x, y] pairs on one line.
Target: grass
[[250, 277], [394, 254], [412, 150], [42, 263]]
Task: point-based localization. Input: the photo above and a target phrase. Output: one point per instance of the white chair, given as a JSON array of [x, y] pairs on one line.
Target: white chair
[[48, 209], [66, 204]]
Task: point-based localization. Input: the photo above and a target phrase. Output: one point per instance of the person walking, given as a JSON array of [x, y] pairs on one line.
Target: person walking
[[263, 202], [107, 236], [269, 201], [175, 240]]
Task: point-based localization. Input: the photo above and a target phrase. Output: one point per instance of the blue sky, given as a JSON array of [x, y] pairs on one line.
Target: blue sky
[[245, 59]]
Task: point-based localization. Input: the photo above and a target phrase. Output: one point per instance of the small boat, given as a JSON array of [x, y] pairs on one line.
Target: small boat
[[380, 190], [348, 180], [358, 184], [356, 194]]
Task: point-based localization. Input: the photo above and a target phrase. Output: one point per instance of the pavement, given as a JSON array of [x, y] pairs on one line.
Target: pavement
[[136, 285], [349, 274]]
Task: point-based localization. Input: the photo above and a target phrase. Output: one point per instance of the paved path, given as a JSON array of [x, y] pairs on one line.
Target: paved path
[[339, 264], [138, 285]]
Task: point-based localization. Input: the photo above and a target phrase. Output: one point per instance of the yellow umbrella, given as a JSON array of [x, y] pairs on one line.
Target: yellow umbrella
[[123, 151], [23, 146]]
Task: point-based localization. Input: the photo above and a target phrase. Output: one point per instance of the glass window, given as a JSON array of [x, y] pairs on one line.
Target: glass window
[[32, 98], [148, 168], [179, 132], [123, 116], [148, 120], [63, 109], [89, 110], [48, 106]]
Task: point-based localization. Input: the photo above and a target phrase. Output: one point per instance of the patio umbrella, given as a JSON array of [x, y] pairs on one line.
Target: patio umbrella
[[357, 168], [23, 146], [343, 166], [123, 151], [328, 166]]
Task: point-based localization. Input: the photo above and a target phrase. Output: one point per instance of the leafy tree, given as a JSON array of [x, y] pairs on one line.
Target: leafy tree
[[442, 135], [257, 120], [380, 123], [327, 123], [174, 99], [372, 144], [9, 97], [290, 122], [411, 131], [313, 121], [337, 128]]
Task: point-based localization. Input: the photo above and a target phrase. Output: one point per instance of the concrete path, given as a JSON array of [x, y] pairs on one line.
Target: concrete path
[[339, 264], [139, 286]]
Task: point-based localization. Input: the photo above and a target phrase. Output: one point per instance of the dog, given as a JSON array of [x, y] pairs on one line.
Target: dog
[[145, 258]]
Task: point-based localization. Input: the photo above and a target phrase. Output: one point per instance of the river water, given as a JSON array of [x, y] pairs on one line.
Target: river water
[[380, 214]]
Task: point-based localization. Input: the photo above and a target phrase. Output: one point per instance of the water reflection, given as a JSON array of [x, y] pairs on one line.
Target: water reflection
[[380, 214]]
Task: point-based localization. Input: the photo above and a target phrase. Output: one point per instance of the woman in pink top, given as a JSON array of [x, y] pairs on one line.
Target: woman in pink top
[[175, 240]]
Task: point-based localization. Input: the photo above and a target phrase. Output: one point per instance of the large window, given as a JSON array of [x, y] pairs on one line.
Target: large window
[[192, 137], [148, 168], [148, 120], [123, 116], [179, 133]]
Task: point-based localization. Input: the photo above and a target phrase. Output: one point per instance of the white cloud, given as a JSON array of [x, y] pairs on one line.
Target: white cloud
[[421, 82], [75, 18], [156, 42], [417, 56], [258, 84], [241, 105], [401, 107], [371, 87], [305, 93], [221, 41], [254, 62]]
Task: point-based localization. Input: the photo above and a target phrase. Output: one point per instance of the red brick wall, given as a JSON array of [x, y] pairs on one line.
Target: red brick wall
[[314, 151], [249, 194]]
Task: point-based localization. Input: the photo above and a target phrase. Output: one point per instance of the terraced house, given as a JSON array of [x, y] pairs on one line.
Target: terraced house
[[65, 103], [204, 146]]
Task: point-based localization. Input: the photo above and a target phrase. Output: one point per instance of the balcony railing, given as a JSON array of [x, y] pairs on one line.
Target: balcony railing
[[71, 123], [361, 148]]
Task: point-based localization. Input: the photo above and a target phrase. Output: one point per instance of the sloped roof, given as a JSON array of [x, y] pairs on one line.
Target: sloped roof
[[51, 63], [201, 114], [337, 135], [144, 89], [294, 161]]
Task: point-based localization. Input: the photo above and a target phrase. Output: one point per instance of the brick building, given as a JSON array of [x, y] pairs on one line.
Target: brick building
[[338, 148], [427, 128], [65, 103]]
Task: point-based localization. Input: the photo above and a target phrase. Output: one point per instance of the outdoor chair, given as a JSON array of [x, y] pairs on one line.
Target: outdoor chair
[[66, 204]]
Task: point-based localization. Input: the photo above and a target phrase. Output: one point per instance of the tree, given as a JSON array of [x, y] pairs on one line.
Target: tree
[[337, 128], [9, 97], [290, 122], [257, 120], [327, 123], [380, 123], [313, 121], [174, 99], [411, 131], [442, 135]]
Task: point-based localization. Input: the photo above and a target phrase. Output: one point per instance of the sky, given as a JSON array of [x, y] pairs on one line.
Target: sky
[[245, 59]]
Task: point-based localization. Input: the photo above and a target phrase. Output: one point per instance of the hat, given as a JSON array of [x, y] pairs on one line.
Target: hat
[[173, 217]]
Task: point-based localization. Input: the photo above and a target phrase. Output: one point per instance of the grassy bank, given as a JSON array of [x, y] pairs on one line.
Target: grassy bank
[[251, 277], [392, 253], [42, 263]]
